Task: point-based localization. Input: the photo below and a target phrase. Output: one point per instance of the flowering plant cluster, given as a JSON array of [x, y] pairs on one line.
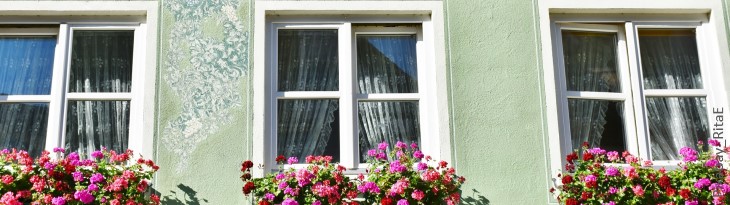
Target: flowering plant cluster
[[400, 177], [320, 183], [105, 178], [607, 178], [406, 176]]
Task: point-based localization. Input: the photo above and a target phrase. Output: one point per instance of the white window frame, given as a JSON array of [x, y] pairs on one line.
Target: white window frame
[[704, 15], [140, 16], [270, 15]]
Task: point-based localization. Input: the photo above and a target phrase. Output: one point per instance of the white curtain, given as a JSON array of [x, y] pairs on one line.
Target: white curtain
[[307, 61], [669, 60], [387, 64], [25, 69], [101, 61], [590, 65]]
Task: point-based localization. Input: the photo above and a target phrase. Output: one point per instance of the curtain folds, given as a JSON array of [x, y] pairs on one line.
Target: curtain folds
[[25, 69], [590, 65], [307, 61], [101, 62], [387, 64], [669, 60]]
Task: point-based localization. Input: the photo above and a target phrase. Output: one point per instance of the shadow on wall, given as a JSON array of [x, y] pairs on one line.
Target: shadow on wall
[[475, 199], [188, 196]]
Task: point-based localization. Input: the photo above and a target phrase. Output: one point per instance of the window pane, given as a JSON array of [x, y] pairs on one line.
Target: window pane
[[91, 125], [591, 61], [387, 121], [23, 126], [669, 59], [101, 61], [26, 65], [387, 64], [308, 127], [676, 122], [308, 60], [600, 123]]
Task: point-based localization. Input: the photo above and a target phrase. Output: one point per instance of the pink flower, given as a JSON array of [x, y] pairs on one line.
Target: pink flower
[[96, 177], [422, 166], [612, 171], [97, 154], [414, 146], [417, 195], [712, 163], [714, 143], [612, 190], [78, 176], [430, 175], [689, 154], [58, 150], [316, 202], [9, 199], [292, 160], [638, 190], [372, 153], [289, 201], [7, 179], [401, 145], [418, 154], [693, 202], [399, 187], [383, 146], [402, 202], [702, 183], [84, 196], [269, 196], [92, 188], [371, 187], [58, 201], [397, 167], [648, 163], [612, 156], [630, 172]]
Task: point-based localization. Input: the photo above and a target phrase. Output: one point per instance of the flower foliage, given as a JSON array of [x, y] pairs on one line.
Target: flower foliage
[[402, 176], [320, 183], [607, 178], [406, 176], [106, 178]]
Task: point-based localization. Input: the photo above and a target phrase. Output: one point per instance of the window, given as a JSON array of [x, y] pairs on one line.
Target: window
[[338, 86], [71, 85], [642, 86]]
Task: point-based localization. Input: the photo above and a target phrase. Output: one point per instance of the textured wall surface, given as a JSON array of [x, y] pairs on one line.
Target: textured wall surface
[[202, 85], [496, 100], [495, 93]]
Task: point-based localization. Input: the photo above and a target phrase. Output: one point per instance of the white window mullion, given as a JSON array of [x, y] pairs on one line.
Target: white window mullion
[[348, 105], [627, 89], [56, 107], [25, 98], [142, 145], [642, 130]]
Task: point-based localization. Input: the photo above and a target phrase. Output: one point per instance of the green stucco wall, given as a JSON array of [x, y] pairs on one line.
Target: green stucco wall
[[202, 130], [496, 95], [203, 121]]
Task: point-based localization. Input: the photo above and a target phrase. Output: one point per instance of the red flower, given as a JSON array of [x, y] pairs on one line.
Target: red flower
[[587, 156], [264, 203], [567, 179], [585, 195], [572, 156], [248, 188], [280, 159], [247, 164], [571, 201], [246, 176], [671, 192], [386, 201], [684, 193], [443, 164], [585, 145], [664, 182]]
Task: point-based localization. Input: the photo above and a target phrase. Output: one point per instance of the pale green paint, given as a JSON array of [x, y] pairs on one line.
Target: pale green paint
[[496, 95]]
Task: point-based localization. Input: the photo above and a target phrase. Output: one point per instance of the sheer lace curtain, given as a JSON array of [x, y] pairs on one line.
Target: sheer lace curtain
[[590, 65], [387, 64], [669, 60], [307, 61], [25, 69], [101, 62]]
